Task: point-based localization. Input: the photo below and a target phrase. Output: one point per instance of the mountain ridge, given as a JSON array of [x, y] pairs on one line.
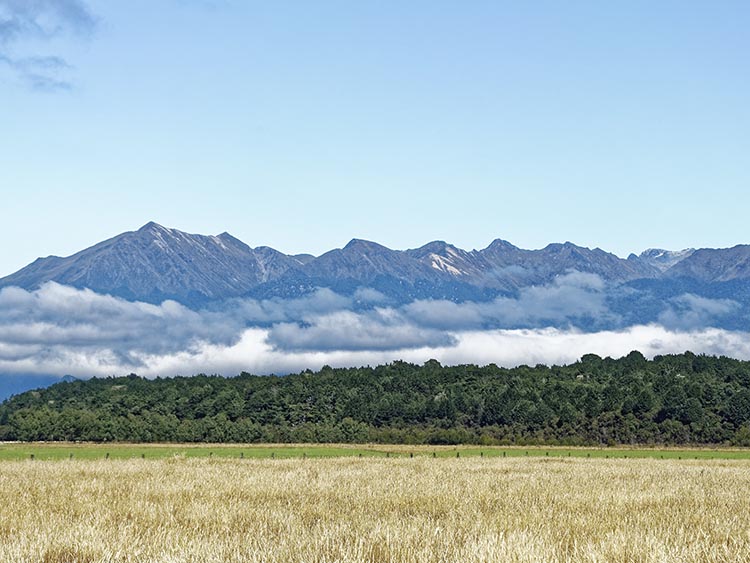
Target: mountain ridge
[[155, 263]]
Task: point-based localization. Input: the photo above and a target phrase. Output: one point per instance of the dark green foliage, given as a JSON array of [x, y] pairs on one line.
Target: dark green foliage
[[681, 399]]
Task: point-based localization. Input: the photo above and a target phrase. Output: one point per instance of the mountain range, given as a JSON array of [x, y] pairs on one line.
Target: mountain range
[[156, 263], [361, 297]]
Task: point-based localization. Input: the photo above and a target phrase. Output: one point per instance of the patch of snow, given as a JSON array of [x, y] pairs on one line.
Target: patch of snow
[[439, 263]]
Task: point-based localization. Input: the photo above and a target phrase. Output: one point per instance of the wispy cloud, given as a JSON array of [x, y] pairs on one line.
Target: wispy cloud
[[573, 299], [379, 329], [690, 311], [21, 20], [40, 73]]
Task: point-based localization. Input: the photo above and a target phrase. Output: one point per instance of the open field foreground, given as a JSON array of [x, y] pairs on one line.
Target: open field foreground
[[18, 451], [395, 510]]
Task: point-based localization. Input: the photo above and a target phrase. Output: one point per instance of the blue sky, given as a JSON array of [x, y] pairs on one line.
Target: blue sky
[[300, 125]]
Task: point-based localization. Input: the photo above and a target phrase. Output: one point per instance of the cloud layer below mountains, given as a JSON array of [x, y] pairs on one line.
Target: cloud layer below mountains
[[61, 330]]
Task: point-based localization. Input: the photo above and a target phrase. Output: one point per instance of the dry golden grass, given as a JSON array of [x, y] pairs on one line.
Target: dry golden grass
[[464, 510]]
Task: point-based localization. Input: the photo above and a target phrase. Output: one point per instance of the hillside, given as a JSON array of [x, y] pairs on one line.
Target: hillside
[[682, 399]]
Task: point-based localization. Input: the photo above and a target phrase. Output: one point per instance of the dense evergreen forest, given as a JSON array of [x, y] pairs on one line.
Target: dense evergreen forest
[[675, 399]]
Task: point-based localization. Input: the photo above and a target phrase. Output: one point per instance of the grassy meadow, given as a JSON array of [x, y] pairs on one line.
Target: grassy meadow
[[375, 509], [18, 451]]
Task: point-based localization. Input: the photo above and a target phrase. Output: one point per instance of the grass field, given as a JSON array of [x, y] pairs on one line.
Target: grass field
[[59, 451], [375, 510]]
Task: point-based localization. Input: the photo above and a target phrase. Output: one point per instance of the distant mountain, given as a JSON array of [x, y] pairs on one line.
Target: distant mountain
[[439, 270], [156, 263], [542, 266], [363, 261]]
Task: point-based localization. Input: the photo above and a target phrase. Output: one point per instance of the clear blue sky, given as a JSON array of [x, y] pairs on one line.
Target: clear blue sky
[[300, 125]]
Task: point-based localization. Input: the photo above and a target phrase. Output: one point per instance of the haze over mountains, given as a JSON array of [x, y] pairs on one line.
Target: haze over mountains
[[156, 263]]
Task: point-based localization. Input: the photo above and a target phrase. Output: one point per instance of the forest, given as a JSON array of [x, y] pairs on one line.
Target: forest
[[673, 399]]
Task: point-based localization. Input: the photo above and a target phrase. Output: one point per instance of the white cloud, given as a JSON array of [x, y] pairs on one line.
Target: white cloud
[[690, 311], [254, 354], [61, 330], [379, 329]]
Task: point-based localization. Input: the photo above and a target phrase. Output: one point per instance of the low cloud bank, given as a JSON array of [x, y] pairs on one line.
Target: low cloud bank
[[508, 348], [62, 330]]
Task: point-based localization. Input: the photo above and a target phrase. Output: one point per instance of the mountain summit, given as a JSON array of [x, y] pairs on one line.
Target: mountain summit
[[156, 263]]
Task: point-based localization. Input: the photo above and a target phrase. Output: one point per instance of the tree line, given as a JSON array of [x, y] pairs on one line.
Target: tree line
[[672, 399]]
